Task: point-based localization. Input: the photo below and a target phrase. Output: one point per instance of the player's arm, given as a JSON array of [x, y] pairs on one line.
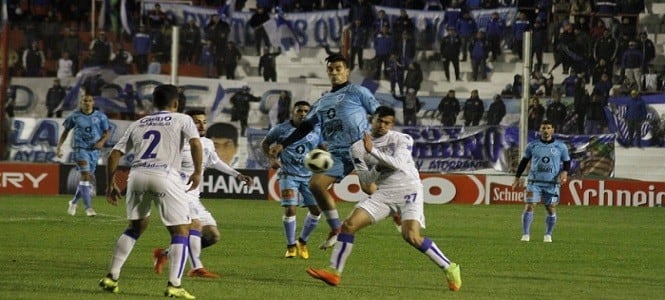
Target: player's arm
[[265, 147], [303, 129], [112, 190], [105, 136], [197, 158], [520, 169], [394, 161], [219, 165], [61, 141], [366, 176], [565, 157]]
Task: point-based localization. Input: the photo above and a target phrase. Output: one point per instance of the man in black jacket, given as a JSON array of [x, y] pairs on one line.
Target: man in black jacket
[[450, 50], [54, 97]]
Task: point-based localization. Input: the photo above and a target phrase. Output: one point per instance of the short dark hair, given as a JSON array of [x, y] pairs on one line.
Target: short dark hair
[[546, 122], [195, 112], [335, 57], [164, 95], [223, 130], [302, 102], [384, 111]]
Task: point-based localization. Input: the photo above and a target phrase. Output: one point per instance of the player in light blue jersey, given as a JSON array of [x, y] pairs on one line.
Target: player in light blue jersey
[[550, 163], [342, 115], [294, 179], [91, 130]]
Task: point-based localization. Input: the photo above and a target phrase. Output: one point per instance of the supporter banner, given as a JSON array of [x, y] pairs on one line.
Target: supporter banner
[[314, 28], [438, 188], [586, 192], [28, 179], [652, 131], [455, 149], [36, 140]]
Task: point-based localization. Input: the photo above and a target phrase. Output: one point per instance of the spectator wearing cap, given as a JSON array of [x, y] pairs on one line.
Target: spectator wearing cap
[[141, 43], [635, 115], [648, 51], [496, 111], [494, 33], [450, 49], [631, 64], [466, 28]]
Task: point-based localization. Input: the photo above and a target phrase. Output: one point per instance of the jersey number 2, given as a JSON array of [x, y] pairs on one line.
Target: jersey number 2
[[153, 143]]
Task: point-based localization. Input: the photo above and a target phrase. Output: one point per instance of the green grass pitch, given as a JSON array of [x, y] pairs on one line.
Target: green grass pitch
[[597, 253]]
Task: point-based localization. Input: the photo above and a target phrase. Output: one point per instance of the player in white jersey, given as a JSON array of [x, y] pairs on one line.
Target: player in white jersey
[[384, 157], [156, 142], [203, 231]]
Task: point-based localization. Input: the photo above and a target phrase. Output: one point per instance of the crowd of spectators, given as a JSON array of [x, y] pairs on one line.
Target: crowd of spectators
[[596, 43]]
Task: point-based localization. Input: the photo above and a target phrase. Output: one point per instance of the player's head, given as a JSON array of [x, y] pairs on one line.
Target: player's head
[[165, 97], [200, 120], [338, 69], [300, 110], [546, 130], [383, 120], [87, 104], [225, 138]]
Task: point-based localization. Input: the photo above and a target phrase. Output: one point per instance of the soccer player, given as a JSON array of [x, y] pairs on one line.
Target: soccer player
[[203, 231], [384, 157], [156, 141], [342, 116], [91, 130], [294, 179], [547, 156]]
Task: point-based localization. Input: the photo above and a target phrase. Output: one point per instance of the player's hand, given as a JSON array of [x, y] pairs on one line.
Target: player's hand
[[563, 177], [58, 152], [113, 194], [195, 181], [517, 183], [99, 146], [367, 142], [246, 179], [275, 163], [275, 150]]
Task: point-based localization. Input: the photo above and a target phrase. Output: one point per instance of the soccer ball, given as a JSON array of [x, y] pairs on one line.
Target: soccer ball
[[318, 161]]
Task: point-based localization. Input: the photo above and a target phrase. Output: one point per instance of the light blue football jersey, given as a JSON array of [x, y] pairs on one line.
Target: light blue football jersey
[[342, 116], [546, 159], [293, 155], [87, 129]]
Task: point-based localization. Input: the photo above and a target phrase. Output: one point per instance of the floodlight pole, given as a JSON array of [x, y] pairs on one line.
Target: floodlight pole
[[175, 46], [526, 86]]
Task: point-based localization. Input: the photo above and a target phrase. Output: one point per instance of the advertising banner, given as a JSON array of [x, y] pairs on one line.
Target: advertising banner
[[29, 179], [214, 184]]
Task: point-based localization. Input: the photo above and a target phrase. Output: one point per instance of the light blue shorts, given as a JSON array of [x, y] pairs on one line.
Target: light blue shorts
[[90, 156], [547, 193], [295, 191], [342, 165]]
